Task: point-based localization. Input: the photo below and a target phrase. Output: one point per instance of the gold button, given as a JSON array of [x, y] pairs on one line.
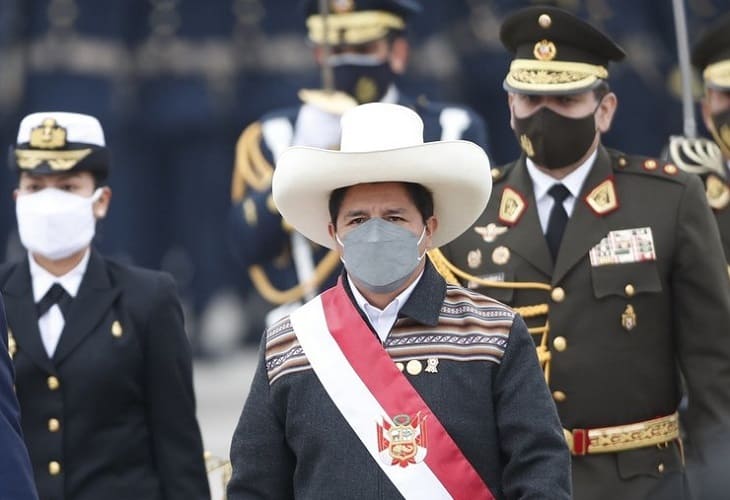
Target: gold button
[[630, 290], [622, 162], [53, 383], [54, 425], [660, 467], [414, 367], [544, 21], [560, 344], [495, 173], [54, 468], [400, 366], [559, 396], [558, 294], [670, 169]]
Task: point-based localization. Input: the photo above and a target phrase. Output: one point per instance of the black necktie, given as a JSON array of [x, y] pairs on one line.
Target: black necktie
[[55, 295], [558, 218]]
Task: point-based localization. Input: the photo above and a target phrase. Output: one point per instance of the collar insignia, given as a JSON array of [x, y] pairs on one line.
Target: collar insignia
[[603, 200], [511, 207]]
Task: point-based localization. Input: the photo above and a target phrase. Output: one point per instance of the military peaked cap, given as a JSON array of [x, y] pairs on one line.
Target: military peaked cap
[[711, 54]]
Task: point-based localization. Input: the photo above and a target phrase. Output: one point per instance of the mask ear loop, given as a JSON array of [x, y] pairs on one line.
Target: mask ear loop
[[423, 234], [342, 254], [96, 195]]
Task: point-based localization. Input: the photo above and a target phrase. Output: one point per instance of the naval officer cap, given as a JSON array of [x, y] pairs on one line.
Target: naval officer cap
[[555, 52], [711, 54], [58, 142], [355, 22]]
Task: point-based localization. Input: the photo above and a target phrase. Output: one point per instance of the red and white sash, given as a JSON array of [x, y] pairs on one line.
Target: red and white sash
[[388, 415]]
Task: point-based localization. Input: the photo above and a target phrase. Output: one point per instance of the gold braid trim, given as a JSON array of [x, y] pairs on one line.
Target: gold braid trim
[[450, 272], [268, 291], [441, 262], [251, 166]]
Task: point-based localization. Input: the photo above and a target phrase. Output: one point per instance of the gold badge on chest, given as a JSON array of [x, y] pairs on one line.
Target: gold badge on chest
[[718, 193], [511, 206], [474, 258], [490, 232], [602, 199], [500, 255], [628, 318], [117, 329]]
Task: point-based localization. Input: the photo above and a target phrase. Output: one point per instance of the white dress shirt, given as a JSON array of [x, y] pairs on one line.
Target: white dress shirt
[[542, 182], [52, 322], [383, 319]]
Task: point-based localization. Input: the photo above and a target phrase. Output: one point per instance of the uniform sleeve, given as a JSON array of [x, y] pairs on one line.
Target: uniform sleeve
[[176, 439], [263, 464], [537, 460], [701, 307], [255, 232], [16, 475]]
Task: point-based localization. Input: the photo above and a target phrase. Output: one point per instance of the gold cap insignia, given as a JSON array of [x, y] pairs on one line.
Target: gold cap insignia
[[474, 258], [117, 329], [342, 6], [490, 232], [628, 318], [48, 135], [511, 207], [545, 50], [500, 255], [603, 199], [545, 21], [718, 193]]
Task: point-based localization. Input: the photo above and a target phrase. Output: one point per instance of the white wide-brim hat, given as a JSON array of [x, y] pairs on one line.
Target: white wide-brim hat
[[383, 143]]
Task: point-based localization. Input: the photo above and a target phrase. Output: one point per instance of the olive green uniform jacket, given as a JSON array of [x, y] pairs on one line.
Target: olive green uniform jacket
[[620, 334]]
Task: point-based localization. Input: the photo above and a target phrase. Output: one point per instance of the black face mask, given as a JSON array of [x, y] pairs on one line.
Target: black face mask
[[554, 141], [721, 124], [366, 78]]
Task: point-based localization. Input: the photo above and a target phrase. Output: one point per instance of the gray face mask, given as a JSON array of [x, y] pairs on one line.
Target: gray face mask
[[381, 255]]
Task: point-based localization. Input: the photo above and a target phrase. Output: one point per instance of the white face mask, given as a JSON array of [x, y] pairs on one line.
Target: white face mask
[[54, 223]]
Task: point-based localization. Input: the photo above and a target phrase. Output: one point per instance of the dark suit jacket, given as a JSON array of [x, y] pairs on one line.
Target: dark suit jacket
[[16, 475], [114, 408], [606, 371]]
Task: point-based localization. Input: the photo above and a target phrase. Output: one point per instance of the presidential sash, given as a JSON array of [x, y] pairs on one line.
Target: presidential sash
[[390, 418]]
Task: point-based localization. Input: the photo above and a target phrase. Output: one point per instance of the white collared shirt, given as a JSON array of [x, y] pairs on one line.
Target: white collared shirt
[[383, 320], [52, 322], [542, 182]]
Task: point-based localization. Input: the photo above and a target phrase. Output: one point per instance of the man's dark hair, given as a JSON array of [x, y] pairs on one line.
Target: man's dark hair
[[419, 195]]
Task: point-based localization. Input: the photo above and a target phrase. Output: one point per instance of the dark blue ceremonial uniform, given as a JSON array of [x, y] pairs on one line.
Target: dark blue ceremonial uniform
[[16, 475]]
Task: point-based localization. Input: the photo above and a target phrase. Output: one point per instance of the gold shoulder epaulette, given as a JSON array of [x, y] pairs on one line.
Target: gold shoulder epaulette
[[268, 291], [251, 167]]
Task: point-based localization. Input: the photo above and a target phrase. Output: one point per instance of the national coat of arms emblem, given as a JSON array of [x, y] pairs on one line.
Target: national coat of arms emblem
[[404, 441]]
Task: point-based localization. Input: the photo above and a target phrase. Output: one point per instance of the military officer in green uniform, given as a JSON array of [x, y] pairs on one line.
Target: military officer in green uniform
[[616, 263], [711, 56]]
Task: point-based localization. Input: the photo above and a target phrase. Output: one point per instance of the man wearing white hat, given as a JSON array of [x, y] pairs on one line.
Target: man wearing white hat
[[392, 383], [103, 366]]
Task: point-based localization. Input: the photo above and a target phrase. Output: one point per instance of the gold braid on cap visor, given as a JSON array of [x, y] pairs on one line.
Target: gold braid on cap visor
[[28, 159], [718, 74], [553, 76], [353, 28]]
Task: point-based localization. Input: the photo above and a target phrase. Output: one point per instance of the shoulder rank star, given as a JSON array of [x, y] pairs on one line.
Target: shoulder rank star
[[490, 232], [404, 441]]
